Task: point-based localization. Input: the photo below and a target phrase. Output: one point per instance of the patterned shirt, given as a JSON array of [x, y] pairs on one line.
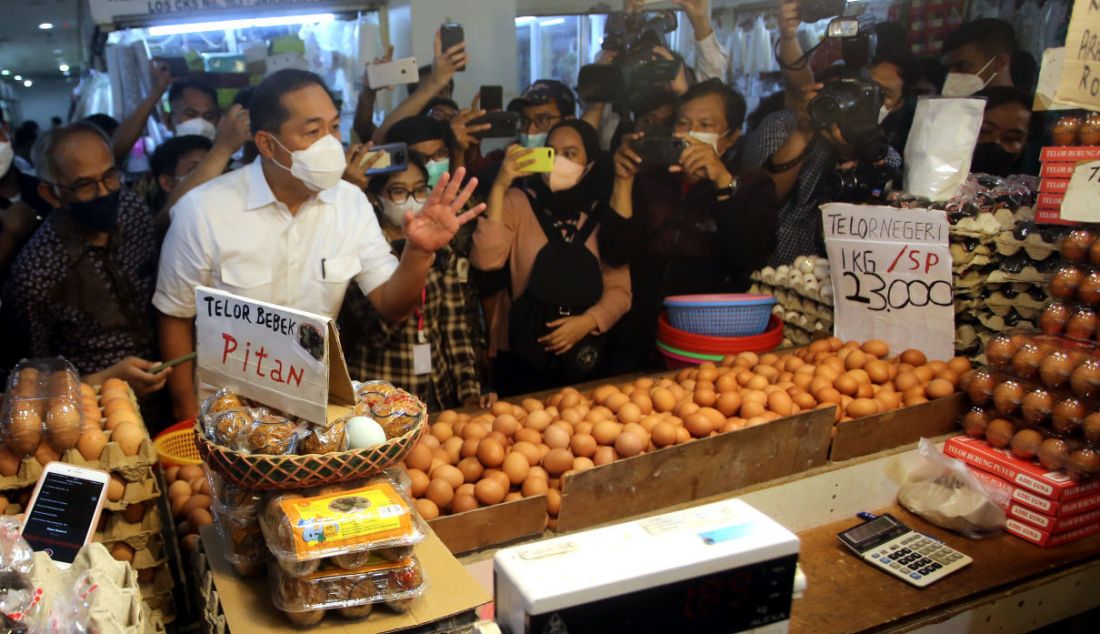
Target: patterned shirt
[[378, 349], [89, 304], [799, 217]]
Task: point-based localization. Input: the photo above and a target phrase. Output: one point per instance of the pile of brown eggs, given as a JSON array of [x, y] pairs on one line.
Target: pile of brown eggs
[[525, 449]]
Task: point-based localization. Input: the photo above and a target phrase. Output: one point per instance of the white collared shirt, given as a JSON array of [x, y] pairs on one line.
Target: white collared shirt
[[232, 234]]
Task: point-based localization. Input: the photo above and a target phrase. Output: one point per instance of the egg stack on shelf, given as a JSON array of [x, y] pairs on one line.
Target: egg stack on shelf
[[804, 294], [335, 530], [49, 415]]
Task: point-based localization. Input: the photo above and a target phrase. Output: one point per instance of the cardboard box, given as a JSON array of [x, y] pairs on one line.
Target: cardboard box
[[872, 434], [491, 525], [695, 470], [1057, 170], [116, 605], [1052, 524], [137, 535], [1053, 485], [1049, 201], [1038, 503], [1054, 185], [142, 491], [1069, 154], [1047, 539], [247, 605]]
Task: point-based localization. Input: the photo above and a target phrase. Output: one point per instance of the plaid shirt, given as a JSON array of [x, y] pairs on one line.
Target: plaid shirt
[[377, 349], [799, 217]]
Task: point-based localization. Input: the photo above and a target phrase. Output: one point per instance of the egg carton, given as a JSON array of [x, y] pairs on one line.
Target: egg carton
[[154, 554], [808, 276], [985, 225], [116, 604], [160, 584], [969, 252], [135, 535], [1038, 242], [1011, 321], [112, 459], [794, 302], [1031, 315], [138, 491]]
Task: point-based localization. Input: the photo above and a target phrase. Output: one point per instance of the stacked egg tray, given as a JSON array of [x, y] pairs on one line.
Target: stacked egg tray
[[112, 438], [1039, 397], [294, 537], [804, 294]]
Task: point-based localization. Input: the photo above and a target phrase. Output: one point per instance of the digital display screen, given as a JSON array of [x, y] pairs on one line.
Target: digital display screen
[[870, 529], [62, 513]]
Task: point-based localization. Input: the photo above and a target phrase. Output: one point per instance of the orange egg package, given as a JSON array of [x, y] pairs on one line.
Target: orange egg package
[[44, 402]]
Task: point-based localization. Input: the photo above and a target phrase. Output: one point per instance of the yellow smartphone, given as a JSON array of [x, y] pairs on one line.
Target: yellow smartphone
[[543, 158]]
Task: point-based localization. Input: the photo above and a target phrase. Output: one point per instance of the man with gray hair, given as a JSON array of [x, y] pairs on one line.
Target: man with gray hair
[[82, 286]]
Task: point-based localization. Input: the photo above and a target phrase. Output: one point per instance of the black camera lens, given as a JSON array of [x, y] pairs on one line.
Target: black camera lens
[[398, 157]]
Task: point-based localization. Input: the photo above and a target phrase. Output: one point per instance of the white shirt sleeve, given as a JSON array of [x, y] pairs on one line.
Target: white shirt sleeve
[[711, 59], [377, 260], [185, 260]]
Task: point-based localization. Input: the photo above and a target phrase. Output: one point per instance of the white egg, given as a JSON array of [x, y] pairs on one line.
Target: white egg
[[364, 433], [805, 264]]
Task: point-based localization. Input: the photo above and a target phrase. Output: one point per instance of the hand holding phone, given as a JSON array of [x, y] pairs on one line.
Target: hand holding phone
[[450, 35], [659, 151], [384, 159], [503, 125], [399, 71], [64, 510], [491, 98], [541, 161]]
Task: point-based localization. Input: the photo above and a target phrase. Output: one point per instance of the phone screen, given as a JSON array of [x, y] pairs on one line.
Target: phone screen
[[58, 523]]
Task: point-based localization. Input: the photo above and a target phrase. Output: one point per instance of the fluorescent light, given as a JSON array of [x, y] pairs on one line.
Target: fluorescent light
[[553, 22], [18, 78], [525, 20], [63, 68], [28, 83], [5, 72], [221, 25], [46, 26]]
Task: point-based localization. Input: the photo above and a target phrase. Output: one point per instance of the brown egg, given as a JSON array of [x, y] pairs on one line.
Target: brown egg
[[134, 513], [663, 434], [64, 425], [1065, 282], [981, 387], [200, 517], [629, 444], [999, 432], [441, 492], [778, 402], [607, 455], [913, 357], [605, 432], [1037, 406], [1068, 414], [1085, 379], [489, 491], [466, 488], [45, 454], [534, 485], [556, 437], [1053, 453], [420, 457], [557, 461], [1000, 350], [116, 488], [583, 444], [1007, 397], [861, 407], [700, 425], [975, 421], [196, 502], [529, 451], [419, 481], [122, 552], [516, 468], [1075, 246], [1083, 462], [1082, 323], [122, 416], [1089, 290], [9, 462], [128, 436], [450, 474], [490, 452], [24, 430], [470, 468], [91, 443], [876, 348], [1025, 443], [537, 420], [463, 502], [426, 509], [1091, 428], [1053, 320], [939, 388]]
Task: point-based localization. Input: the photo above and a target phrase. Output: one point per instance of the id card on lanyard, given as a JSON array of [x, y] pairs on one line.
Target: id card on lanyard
[[422, 350]]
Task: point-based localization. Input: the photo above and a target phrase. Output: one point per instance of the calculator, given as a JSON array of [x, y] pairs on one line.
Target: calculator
[[894, 548]]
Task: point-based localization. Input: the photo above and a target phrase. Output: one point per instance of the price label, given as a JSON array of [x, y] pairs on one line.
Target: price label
[[1082, 199], [891, 274], [1079, 84]]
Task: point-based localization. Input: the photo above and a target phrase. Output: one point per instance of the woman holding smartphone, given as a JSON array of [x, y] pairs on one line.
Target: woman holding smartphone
[[546, 330], [432, 353]]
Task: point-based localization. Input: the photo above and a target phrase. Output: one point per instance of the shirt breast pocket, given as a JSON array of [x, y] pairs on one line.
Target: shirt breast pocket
[[245, 277], [339, 270]]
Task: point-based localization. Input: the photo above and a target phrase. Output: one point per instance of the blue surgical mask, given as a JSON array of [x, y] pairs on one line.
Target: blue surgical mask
[[537, 139], [436, 169]]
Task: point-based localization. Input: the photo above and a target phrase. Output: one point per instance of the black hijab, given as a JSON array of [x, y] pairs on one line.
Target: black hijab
[[594, 186]]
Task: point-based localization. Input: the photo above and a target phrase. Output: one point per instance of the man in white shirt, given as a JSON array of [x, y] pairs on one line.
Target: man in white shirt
[[287, 230]]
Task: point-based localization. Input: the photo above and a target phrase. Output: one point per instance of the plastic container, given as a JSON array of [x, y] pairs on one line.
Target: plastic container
[[306, 599], [176, 445], [245, 548], [341, 522], [43, 402], [720, 315], [394, 409], [692, 343]]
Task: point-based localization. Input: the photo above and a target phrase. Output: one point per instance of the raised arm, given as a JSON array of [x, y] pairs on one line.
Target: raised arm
[[444, 67], [132, 127]]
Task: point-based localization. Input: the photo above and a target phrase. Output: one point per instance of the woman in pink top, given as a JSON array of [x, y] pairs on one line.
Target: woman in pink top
[[548, 329]]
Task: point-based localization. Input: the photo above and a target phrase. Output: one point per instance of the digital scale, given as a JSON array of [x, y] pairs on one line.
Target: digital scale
[[894, 548]]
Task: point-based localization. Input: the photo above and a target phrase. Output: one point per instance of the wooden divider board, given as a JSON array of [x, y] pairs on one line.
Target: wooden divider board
[[491, 525], [865, 436], [694, 470]]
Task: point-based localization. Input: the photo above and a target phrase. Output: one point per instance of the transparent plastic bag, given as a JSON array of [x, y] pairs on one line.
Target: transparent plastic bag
[[943, 491]]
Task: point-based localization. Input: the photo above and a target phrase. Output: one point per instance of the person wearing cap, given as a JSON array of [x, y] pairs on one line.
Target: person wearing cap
[[544, 104], [441, 109]]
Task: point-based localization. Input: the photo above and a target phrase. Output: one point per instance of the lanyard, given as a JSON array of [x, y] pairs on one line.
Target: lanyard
[[421, 336]]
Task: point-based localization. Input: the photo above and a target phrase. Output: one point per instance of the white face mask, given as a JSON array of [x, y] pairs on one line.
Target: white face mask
[[198, 126], [965, 84], [883, 112], [320, 166], [395, 213], [709, 138], [565, 174], [533, 140], [7, 155]]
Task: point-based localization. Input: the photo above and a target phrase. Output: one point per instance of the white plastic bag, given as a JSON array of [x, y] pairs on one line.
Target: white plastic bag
[[941, 144], [943, 491]]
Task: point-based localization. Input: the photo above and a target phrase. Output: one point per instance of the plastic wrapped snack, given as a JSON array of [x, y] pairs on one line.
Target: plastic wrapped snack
[[397, 584], [271, 434], [43, 402], [319, 440], [395, 410], [244, 541], [339, 521], [233, 497]]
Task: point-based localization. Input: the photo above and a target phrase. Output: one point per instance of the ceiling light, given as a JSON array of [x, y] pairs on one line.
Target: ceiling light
[[18, 78], [46, 26], [63, 68], [551, 22], [221, 25], [525, 20], [5, 72], [28, 83]]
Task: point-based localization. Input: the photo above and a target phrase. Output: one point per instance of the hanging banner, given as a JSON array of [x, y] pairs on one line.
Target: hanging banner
[[891, 273], [284, 358], [1080, 83], [143, 12]]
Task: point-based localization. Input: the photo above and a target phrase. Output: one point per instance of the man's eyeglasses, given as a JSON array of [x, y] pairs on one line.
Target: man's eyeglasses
[[399, 194], [542, 121], [88, 188]]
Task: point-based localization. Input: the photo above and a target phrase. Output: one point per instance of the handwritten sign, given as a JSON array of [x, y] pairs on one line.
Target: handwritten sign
[[283, 358], [1080, 83], [1050, 75], [891, 273], [1082, 200]]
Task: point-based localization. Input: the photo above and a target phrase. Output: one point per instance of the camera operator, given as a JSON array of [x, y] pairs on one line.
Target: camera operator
[[699, 225], [811, 162], [978, 55]]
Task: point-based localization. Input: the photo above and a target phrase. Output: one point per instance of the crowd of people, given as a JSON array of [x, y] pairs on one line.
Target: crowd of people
[[465, 277]]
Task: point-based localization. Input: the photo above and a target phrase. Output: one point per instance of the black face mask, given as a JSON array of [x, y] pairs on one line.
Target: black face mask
[[98, 214], [991, 158]]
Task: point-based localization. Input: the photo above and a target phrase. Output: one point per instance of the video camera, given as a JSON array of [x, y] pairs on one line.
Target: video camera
[[852, 104], [634, 36]]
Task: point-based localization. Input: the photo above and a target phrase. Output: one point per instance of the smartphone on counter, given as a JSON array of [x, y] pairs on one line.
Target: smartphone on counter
[[491, 98], [393, 157], [399, 71], [505, 125], [451, 34], [64, 510], [544, 160]]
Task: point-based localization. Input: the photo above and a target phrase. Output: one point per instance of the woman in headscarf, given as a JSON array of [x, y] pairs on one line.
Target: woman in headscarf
[[562, 297]]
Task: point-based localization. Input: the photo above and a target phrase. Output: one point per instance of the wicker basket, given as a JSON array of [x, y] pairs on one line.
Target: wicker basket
[[257, 471]]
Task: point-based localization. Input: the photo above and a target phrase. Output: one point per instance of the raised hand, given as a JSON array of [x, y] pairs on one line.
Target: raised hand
[[463, 132], [160, 76], [356, 173], [627, 160], [702, 161], [447, 62], [439, 220], [515, 160], [388, 57], [234, 128]]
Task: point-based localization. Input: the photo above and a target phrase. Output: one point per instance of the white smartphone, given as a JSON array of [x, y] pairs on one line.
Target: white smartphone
[[399, 71], [64, 510]]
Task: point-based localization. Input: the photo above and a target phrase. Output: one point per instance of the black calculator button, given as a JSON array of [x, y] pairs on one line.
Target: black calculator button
[[936, 566], [914, 566]]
